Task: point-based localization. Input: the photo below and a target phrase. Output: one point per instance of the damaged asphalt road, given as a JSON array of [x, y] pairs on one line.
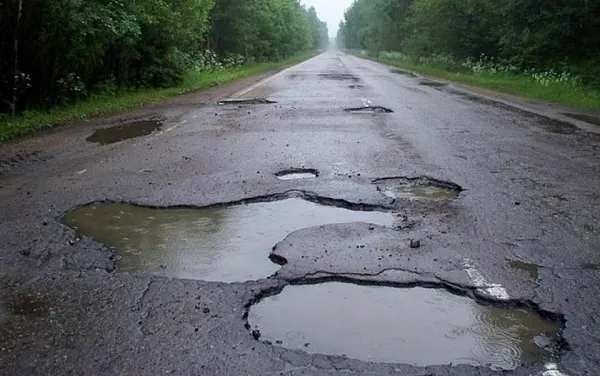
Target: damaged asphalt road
[[424, 186]]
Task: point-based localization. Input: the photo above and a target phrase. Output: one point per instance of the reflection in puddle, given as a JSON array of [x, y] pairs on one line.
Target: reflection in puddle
[[416, 326], [531, 269], [419, 188], [227, 243], [297, 174], [118, 133]]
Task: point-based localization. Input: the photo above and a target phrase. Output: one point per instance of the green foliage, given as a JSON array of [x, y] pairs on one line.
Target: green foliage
[[551, 35], [73, 49]]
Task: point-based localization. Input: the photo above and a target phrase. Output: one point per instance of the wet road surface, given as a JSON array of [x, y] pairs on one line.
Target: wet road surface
[[447, 202]]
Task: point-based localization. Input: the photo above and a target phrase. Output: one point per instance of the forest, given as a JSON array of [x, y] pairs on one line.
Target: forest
[[57, 52], [550, 39]]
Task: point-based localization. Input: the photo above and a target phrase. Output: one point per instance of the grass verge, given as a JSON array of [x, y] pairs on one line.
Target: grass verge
[[32, 121], [577, 96]]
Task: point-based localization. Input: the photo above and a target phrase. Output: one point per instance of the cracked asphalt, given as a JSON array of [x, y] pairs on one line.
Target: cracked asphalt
[[530, 194]]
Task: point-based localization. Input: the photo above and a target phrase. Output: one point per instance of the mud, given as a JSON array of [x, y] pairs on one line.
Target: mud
[[220, 243], [417, 326], [123, 132], [421, 188]]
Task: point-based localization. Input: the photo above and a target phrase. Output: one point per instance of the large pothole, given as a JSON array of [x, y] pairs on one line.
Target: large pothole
[[228, 243], [420, 188], [123, 132], [418, 326]]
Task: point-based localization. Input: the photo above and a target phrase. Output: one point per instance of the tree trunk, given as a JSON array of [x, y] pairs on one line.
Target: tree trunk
[[13, 105]]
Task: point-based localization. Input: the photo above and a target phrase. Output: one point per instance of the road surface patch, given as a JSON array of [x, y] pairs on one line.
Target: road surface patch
[[226, 243], [420, 188], [410, 325], [123, 132]]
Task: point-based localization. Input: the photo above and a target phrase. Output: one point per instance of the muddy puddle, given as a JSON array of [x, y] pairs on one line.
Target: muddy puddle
[[225, 243], [418, 189], [297, 174], [415, 326], [122, 132]]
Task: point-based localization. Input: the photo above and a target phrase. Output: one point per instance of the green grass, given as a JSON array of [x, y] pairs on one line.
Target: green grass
[[578, 96], [32, 121]]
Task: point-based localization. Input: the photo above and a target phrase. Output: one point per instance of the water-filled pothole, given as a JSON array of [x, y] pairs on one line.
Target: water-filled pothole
[[432, 83], [122, 132], [340, 76], [417, 326], [421, 188], [223, 243], [585, 118], [403, 72], [247, 101], [297, 174], [374, 109]]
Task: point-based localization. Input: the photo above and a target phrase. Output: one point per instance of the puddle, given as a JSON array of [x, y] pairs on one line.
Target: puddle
[[417, 326], [418, 188], [297, 174], [585, 118], [375, 109], [531, 269], [118, 133], [556, 126], [247, 101], [403, 72], [223, 243], [339, 77], [432, 83]]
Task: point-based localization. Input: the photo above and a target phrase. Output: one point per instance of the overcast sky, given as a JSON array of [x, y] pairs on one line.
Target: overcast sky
[[330, 11]]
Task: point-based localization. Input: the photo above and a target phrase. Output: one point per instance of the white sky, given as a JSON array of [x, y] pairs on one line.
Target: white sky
[[330, 11]]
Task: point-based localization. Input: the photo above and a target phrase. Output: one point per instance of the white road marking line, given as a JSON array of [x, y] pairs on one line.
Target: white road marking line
[[494, 290]]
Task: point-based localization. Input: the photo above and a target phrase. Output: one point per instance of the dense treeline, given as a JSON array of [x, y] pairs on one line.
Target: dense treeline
[[57, 51], [560, 34]]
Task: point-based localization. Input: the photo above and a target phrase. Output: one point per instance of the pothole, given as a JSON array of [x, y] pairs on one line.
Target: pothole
[[531, 269], [374, 109], [356, 86], [122, 132], [297, 174], [418, 188], [254, 101], [557, 126], [432, 83], [403, 72], [339, 77], [417, 326], [228, 243], [28, 305], [585, 118]]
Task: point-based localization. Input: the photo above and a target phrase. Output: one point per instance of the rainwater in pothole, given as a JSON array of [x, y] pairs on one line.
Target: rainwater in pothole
[[297, 174], [417, 326], [225, 243], [418, 189], [531, 269], [122, 132]]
